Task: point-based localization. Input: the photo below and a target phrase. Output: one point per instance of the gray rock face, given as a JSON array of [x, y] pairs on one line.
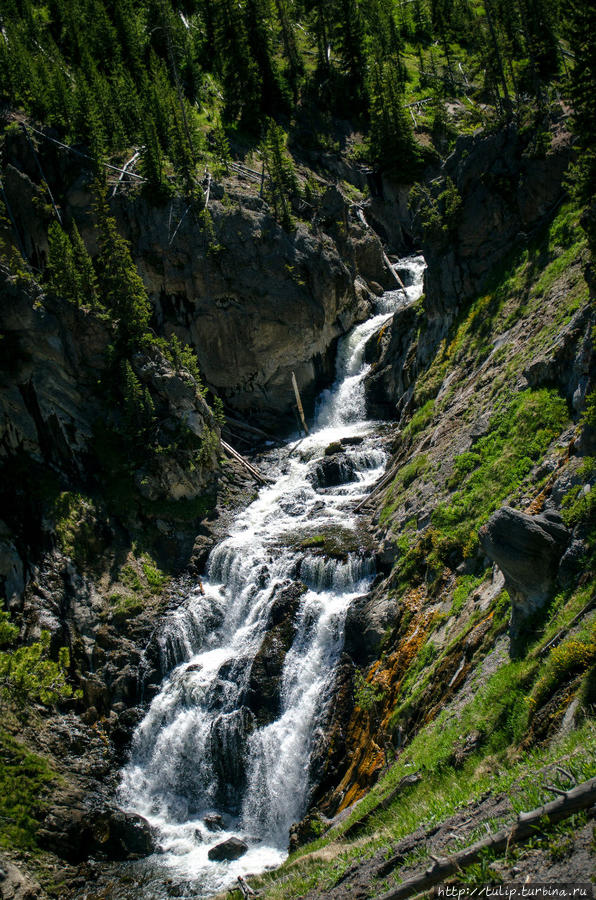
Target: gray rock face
[[528, 550], [368, 619], [231, 849], [228, 303], [395, 365], [504, 195]]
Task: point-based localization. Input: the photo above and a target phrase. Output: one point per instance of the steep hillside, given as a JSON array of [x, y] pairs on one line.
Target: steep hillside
[[473, 690]]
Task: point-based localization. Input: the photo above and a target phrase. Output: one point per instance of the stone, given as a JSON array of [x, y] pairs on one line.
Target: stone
[[228, 850], [16, 884], [367, 622], [571, 564], [335, 447], [264, 683], [214, 822], [331, 471], [122, 835], [527, 549]]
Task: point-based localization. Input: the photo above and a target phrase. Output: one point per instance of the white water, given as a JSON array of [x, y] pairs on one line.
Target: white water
[[197, 751]]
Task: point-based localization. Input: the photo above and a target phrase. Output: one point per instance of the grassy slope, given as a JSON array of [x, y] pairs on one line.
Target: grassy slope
[[455, 680]]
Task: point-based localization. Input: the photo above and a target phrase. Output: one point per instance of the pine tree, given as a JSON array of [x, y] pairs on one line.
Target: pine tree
[[152, 161], [122, 289], [295, 66], [61, 269], [259, 29], [283, 183], [581, 31], [86, 279], [350, 40], [392, 140]]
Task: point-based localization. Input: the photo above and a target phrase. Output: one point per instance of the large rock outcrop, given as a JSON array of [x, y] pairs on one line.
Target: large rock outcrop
[[255, 301], [492, 193], [528, 550]]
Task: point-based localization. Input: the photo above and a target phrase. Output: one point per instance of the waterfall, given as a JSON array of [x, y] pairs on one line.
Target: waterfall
[[201, 749]]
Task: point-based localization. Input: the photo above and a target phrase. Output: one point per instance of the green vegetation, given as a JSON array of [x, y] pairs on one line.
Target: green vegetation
[[76, 528], [441, 792], [519, 433], [479, 746], [27, 674], [518, 436], [24, 778], [580, 23], [175, 78]]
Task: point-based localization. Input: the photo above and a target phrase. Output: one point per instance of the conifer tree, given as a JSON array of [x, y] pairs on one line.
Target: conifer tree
[[391, 138], [121, 286], [283, 183], [581, 30], [86, 278], [295, 66], [61, 271]]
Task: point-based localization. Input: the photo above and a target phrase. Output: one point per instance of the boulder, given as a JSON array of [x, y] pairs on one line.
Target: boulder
[[228, 850], [15, 884], [332, 471], [528, 550], [214, 822], [121, 835], [368, 620]]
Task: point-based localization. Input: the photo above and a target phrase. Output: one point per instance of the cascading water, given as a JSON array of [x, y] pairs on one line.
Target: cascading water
[[199, 750]]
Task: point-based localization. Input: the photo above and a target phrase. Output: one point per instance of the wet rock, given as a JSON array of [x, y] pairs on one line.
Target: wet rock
[[121, 835], [229, 735], [335, 447], [332, 471], [528, 550], [308, 829], [263, 693], [231, 849], [394, 356], [214, 822]]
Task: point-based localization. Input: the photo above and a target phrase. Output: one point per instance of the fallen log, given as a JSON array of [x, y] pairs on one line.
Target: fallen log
[[581, 797], [245, 463], [125, 171], [299, 403], [246, 889], [387, 477]]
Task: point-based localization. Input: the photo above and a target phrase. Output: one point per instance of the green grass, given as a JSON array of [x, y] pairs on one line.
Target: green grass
[[464, 587], [408, 474], [24, 779], [156, 579], [441, 792], [76, 528], [519, 435]]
